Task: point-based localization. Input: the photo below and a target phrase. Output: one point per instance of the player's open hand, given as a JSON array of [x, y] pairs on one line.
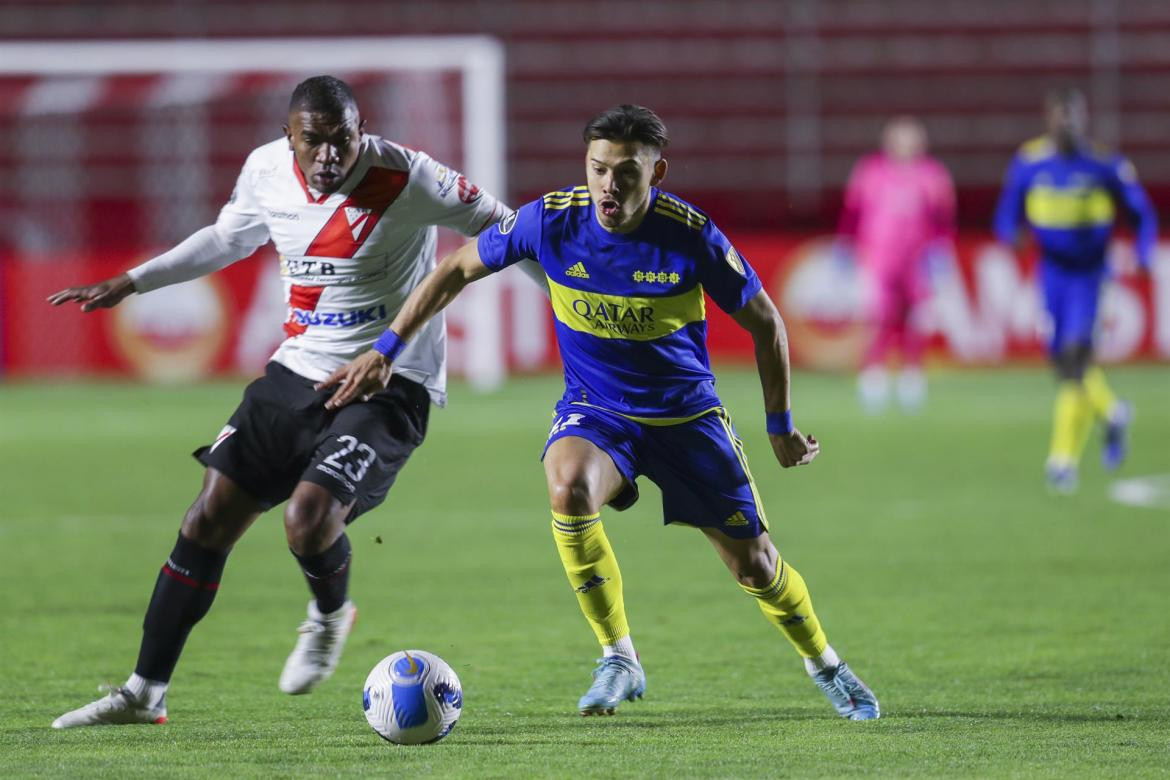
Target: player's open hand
[[794, 449], [360, 378], [103, 295]]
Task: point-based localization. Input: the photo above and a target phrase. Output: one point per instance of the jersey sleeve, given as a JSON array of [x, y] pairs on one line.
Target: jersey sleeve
[[514, 238], [241, 222], [724, 273], [1133, 196], [443, 196], [1010, 209]]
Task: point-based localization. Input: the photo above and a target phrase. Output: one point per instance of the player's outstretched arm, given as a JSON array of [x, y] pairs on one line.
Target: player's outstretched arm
[[760, 318], [203, 252], [370, 372], [103, 295]]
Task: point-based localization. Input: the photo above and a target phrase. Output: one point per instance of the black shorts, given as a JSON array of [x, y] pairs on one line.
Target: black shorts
[[281, 434]]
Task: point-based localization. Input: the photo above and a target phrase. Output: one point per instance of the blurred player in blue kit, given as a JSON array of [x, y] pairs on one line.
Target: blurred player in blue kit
[[1068, 190], [627, 267]]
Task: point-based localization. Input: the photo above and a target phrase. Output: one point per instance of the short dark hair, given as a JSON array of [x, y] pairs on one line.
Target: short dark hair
[[324, 95], [628, 122]]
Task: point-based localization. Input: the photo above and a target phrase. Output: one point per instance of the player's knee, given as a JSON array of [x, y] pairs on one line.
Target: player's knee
[[1073, 360], [206, 523], [756, 569], [308, 520], [570, 494]]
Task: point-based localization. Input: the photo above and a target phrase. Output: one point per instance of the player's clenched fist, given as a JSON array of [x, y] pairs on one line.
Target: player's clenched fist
[[103, 295], [363, 376], [793, 449]]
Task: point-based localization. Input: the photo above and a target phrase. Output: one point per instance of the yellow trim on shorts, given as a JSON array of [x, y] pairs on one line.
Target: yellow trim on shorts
[[737, 445]]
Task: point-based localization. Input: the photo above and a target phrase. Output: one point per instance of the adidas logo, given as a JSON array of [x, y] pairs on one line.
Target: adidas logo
[[596, 581], [736, 519], [578, 270]]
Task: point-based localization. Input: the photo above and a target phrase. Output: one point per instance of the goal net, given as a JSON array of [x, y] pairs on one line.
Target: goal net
[[118, 150]]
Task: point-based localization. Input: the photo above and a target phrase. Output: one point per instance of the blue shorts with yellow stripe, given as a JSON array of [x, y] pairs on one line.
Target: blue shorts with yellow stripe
[[1071, 298], [698, 464]]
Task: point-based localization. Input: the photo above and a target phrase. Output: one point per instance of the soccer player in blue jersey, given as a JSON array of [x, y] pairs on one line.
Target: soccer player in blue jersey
[[1068, 190], [628, 265]]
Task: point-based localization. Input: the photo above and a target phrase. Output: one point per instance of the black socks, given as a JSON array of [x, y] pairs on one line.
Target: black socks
[[183, 593], [328, 574]]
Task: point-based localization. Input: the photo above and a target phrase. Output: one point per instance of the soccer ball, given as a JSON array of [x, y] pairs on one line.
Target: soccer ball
[[412, 697]]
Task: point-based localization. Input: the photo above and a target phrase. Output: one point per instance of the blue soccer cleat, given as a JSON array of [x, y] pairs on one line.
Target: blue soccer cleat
[[847, 693], [1061, 478], [1116, 443], [615, 679]]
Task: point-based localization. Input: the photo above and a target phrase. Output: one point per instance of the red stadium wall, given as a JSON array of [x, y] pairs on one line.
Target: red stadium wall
[[984, 310]]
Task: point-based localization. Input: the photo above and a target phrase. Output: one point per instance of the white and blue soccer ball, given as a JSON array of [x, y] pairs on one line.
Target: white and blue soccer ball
[[412, 697]]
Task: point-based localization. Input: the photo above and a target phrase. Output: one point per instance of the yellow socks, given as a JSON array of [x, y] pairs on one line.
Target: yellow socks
[[786, 604], [1100, 395], [593, 572], [1072, 418]]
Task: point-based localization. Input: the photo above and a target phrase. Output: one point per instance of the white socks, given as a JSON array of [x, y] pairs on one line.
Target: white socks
[[825, 660], [623, 647], [912, 389], [147, 692], [873, 389]]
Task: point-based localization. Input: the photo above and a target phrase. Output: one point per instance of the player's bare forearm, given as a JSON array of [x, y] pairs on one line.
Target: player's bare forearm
[[371, 371], [761, 319], [103, 295]]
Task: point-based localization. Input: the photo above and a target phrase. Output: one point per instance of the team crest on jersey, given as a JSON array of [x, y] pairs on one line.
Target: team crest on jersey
[[356, 217], [506, 224], [734, 260]]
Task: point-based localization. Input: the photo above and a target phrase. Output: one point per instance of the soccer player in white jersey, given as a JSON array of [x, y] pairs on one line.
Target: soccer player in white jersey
[[353, 217]]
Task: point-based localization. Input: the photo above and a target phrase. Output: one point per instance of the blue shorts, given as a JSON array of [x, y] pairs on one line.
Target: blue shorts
[[1071, 297], [699, 465]]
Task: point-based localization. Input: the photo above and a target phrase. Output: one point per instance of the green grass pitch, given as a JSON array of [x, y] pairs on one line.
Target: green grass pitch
[[1007, 633]]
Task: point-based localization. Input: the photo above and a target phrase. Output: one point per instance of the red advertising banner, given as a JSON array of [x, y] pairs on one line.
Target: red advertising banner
[[984, 308], [984, 305]]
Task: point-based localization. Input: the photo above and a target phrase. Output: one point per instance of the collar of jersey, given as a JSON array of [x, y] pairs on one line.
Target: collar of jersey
[[622, 238]]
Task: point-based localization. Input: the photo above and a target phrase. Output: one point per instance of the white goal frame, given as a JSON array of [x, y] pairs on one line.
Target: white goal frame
[[479, 60]]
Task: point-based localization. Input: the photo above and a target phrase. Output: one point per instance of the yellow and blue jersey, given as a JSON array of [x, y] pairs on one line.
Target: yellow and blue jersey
[[629, 309], [1070, 201]]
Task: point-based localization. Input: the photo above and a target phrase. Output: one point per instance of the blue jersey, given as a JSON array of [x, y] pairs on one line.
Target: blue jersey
[[1070, 202], [629, 308]]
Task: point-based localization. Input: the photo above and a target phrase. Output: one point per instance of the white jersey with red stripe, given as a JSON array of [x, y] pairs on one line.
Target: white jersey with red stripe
[[349, 259]]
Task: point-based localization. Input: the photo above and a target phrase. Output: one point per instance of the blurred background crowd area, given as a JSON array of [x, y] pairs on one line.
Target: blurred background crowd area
[[769, 104]]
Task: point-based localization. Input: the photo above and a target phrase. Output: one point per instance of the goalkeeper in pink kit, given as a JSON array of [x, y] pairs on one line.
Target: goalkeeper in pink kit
[[899, 210]]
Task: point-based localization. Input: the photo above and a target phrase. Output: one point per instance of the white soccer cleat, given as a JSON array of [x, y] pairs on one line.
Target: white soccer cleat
[[119, 708], [318, 649]]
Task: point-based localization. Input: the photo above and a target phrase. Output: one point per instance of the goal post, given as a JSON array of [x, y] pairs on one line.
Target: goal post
[[175, 119]]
